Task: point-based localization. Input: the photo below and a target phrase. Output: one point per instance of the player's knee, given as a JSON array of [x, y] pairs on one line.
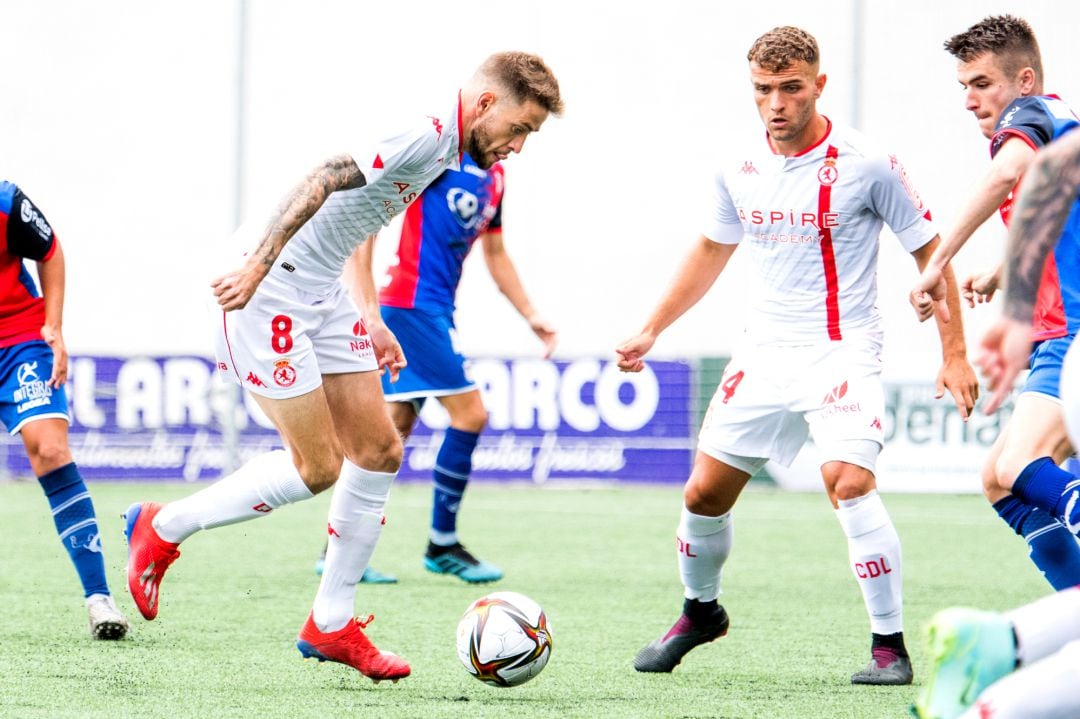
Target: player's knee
[[1005, 470], [700, 498], [319, 474], [846, 483], [475, 421], [48, 453], [380, 453], [850, 488], [990, 487]]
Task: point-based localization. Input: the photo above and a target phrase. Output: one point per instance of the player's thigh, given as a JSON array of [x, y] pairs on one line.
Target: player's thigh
[[1036, 429], [361, 421], [466, 410]]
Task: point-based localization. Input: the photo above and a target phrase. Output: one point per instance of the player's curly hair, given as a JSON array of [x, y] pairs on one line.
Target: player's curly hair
[[782, 46], [526, 77], [1007, 37]]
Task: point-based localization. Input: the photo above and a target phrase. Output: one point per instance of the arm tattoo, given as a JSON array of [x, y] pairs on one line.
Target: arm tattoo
[[337, 173], [1047, 196]]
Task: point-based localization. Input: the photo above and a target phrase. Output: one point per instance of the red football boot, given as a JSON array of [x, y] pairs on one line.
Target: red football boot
[[348, 645], [148, 556]]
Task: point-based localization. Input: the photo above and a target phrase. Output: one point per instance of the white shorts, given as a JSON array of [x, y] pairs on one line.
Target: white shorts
[[283, 342], [772, 396]]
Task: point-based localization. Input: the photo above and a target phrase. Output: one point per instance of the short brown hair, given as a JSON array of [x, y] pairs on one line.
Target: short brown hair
[[782, 46], [1007, 37], [525, 77]]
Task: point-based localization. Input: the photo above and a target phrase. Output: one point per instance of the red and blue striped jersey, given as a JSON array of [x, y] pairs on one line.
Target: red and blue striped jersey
[[1038, 121], [24, 235], [437, 234]]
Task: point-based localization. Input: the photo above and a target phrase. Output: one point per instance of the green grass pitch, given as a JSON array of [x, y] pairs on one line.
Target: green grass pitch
[[599, 560]]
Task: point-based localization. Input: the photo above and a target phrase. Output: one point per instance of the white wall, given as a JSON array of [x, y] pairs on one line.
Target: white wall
[[118, 119]]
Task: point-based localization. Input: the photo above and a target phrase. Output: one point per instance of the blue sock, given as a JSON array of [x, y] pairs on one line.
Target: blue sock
[[1044, 485], [452, 467], [1053, 548], [73, 513]]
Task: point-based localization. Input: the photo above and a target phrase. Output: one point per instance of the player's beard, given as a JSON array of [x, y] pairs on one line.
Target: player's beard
[[479, 139], [795, 126]]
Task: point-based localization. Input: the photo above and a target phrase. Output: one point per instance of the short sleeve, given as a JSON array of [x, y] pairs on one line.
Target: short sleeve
[[1027, 119], [29, 234], [895, 200], [413, 151], [722, 224]]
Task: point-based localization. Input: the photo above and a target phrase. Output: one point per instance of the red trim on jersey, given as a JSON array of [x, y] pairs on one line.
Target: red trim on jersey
[[828, 258], [52, 249], [800, 153], [460, 130], [1048, 320], [405, 273], [228, 348], [1012, 132]]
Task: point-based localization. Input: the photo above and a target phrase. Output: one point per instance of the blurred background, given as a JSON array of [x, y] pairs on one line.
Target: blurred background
[[148, 131]]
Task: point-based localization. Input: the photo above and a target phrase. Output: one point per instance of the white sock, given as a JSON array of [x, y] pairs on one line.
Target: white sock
[[874, 551], [703, 545], [353, 524], [1043, 690], [1046, 625], [262, 485]]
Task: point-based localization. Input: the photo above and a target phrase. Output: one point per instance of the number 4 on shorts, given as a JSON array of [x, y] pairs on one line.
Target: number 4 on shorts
[[730, 384]]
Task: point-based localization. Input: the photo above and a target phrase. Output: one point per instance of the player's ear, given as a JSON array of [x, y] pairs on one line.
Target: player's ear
[[485, 101], [1027, 81], [819, 84]]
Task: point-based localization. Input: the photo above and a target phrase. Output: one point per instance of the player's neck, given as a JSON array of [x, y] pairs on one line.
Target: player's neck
[[811, 136]]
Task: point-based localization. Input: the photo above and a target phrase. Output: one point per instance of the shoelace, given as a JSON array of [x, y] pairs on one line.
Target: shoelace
[[364, 622]]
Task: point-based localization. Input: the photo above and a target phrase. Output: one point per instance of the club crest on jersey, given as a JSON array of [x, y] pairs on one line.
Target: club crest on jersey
[[284, 373], [909, 188], [827, 173]]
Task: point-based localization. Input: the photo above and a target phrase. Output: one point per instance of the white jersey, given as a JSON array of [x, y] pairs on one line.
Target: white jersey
[[397, 170], [810, 225]]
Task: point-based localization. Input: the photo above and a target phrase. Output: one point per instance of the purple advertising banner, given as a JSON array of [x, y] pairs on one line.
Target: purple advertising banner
[[166, 418]]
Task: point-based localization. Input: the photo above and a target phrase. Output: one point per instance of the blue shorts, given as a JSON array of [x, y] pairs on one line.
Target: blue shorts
[[1046, 359], [25, 369], [436, 368]]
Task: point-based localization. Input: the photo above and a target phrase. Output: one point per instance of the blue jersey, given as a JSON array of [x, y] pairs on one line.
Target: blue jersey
[[1039, 121], [437, 234]]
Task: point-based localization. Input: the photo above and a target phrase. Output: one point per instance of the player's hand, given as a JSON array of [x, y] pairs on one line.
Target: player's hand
[[1006, 351], [235, 289], [981, 286], [388, 352], [632, 352], [958, 377], [928, 294], [55, 340], [546, 332]]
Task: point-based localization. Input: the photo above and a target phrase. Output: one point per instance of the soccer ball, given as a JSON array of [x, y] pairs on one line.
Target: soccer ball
[[503, 639]]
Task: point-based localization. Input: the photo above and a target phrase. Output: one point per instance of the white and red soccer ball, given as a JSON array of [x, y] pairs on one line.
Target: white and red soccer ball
[[503, 639]]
